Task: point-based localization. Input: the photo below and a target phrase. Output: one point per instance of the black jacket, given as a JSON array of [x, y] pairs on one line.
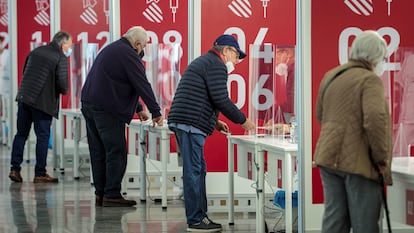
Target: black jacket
[[116, 80], [45, 77], [202, 94]]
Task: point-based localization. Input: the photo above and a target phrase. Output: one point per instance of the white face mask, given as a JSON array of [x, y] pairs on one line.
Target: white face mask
[[68, 52], [380, 68], [282, 69], [230, 67]]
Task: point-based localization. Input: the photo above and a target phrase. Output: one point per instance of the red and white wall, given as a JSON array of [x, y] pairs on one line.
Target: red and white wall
[[327, 30], [333, 25]]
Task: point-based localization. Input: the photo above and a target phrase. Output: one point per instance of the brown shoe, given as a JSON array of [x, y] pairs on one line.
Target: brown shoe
[[45, 179], [117, 202], [15, 176]]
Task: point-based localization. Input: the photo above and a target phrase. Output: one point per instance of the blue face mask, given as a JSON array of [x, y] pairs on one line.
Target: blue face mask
[[68, 52]]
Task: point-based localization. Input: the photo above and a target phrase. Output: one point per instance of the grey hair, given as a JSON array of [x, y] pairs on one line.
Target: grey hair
[[136, 33], [369, 46], [220, 48], [61, 37]]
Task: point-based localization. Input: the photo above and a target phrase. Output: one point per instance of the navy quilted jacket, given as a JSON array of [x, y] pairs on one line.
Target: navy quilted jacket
[[202, 94]]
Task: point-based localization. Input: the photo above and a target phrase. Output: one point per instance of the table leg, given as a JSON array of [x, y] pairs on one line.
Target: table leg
[[288, 192], [62, 143], [260, 221], [164, 151], [76, 141], [143, 166], [231, 180]]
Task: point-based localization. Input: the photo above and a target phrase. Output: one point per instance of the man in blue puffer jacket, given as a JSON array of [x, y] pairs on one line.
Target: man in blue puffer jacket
[[45, 77], [201, 95]]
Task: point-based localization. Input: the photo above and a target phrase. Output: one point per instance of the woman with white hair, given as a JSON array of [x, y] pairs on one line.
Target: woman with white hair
[[355, 144]]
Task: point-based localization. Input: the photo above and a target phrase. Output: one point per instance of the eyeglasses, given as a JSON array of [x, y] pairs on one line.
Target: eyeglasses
[[235, 51]]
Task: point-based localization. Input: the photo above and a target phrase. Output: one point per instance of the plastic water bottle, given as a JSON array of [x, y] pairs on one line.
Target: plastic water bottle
[[293, 125]]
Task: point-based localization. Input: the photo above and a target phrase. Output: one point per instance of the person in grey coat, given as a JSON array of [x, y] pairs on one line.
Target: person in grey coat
[[45, 78], [354, 147]]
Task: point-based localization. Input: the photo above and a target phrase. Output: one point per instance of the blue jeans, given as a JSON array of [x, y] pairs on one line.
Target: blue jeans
[[351, 201], [26, 115], [107, 149], [194, 174]]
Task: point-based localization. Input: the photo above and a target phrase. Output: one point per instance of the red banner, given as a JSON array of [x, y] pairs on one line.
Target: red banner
[[251, 22], [4, 22], [33, 28], [345, 20], [5, 82], [165, 21], [88, 22]]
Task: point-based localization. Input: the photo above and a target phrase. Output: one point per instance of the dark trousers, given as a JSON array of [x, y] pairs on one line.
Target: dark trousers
[[26, 115], [191, 147], [107, 148]]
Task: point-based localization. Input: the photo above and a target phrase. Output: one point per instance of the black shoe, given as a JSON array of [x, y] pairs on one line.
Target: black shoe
[[206, 225], [117, 202], [212, 221]]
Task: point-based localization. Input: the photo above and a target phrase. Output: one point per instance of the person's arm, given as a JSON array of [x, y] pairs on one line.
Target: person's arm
[[222, 126], [376, 121], [139, 107], [216, 82], [61, 75], [143, 115], [139, 81]]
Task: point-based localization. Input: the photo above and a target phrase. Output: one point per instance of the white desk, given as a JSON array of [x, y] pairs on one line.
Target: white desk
[[76, 114], [144, 128], [274, 147], [400, 194]]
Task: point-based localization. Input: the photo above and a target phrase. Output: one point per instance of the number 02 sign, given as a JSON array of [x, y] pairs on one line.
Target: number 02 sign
[[334, 26]]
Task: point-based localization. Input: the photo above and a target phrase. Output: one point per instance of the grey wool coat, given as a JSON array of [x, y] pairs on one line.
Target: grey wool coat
[[355, 122]]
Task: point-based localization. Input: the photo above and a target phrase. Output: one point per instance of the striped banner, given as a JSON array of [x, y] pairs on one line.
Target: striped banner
[[89, 16], [153, 13], [42, 18], [241, 8], [4, 20], [360, 7]]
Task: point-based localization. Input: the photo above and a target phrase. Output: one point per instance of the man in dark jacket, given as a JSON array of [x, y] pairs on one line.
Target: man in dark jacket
[[45, 77], [109, 100], [201, 95]]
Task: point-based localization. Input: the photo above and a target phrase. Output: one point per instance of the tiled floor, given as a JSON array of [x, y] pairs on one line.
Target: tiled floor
[[69, 207]]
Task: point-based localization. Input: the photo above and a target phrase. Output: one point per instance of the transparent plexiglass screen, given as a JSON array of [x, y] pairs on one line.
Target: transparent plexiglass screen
[[403, 103], [162, 62], [271, 88], [81, 60]]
